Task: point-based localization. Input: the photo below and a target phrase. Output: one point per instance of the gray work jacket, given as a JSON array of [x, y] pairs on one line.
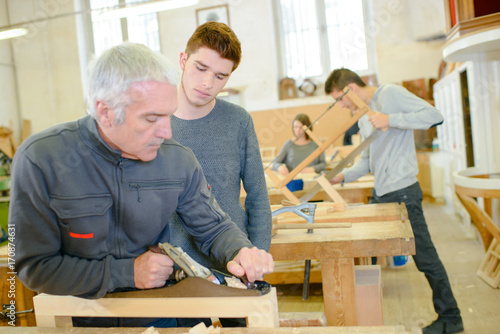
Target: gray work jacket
[[82, 213]]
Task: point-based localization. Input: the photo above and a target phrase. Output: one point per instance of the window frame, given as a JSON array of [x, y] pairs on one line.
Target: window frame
[[323, 40]]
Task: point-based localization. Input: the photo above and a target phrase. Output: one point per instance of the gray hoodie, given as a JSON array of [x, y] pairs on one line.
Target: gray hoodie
[[392, 158]]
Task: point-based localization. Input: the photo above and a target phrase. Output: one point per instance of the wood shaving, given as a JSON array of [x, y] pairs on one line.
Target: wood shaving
[[234, 282], [202, 329], [150, 330]]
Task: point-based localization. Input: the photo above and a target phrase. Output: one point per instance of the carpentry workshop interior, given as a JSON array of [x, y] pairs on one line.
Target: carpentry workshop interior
[[366, 153]]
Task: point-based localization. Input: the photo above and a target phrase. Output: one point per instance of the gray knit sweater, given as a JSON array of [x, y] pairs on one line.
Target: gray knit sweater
[[225, 144], [292, 155]]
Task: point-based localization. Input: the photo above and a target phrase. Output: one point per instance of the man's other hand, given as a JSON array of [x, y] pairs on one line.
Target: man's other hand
[[252, 262], [337, 179], [151, 270]]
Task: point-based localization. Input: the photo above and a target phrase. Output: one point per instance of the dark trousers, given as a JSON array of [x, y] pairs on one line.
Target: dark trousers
[[426, 257]]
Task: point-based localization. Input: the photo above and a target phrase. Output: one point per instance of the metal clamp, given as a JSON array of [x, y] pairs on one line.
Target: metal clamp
[[305, 210]]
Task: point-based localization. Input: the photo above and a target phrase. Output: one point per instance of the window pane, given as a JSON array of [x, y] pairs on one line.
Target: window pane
[[106, 32], [301, 38], [144, 29], [141, 29], [346, 34]]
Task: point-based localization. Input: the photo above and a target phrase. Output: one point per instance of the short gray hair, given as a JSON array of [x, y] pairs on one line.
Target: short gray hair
[[118, 68]]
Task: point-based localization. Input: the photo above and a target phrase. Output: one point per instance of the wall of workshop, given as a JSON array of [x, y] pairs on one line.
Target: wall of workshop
[[8, 92], [47, 65]]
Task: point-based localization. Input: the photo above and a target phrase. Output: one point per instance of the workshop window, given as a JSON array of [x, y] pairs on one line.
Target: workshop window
[[317, 36], [109, 32]]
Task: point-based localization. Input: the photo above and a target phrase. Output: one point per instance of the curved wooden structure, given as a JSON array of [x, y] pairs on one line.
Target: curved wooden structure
[[473, 183]]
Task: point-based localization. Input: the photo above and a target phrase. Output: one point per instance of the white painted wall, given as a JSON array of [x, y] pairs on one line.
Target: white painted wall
[[47, 63], [48, 70], [398, 26], [8, 92]]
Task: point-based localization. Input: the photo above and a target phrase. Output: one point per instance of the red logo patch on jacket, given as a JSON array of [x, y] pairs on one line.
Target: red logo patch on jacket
[[81, 236]]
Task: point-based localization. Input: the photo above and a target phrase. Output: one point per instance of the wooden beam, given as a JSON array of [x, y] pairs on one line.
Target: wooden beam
[[311, 135], [328, 188], [289, 195]]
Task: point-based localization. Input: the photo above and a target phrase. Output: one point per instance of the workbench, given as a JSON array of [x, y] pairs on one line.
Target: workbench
[[358, 191], [376, 230]]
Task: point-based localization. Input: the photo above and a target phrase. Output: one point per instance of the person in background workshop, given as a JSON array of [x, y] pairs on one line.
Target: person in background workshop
[[89, 197], [391, 158], [223, 139], [296, 150]]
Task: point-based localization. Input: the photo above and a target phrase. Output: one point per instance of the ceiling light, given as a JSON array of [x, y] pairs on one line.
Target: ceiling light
[[143, 8], [11, 33]]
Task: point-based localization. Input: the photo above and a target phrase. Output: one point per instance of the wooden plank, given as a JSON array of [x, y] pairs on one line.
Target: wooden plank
[[25, 129], [311, 135], [260, 311], [288, 194], [327, 187], [6, 146]]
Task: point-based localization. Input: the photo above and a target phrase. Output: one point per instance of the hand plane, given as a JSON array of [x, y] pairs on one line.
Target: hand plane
[[196, 280]]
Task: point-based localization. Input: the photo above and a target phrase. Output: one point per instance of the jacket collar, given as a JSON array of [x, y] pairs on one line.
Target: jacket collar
[[92, 139]]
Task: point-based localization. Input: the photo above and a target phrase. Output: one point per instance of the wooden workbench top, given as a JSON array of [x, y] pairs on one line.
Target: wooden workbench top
[[387, 238], [286, 330], [377, 230], [352, 213]]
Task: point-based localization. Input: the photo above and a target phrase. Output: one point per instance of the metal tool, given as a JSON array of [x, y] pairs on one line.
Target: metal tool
[[189, 267], [9, 310], [342, 164], [306, 211]]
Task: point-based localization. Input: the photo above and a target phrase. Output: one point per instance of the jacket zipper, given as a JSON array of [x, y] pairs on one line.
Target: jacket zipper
[[118, 202], [145, 186]]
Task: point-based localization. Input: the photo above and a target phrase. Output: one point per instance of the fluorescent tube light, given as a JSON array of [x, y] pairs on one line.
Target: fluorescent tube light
[[11, 33], [144, 8]]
